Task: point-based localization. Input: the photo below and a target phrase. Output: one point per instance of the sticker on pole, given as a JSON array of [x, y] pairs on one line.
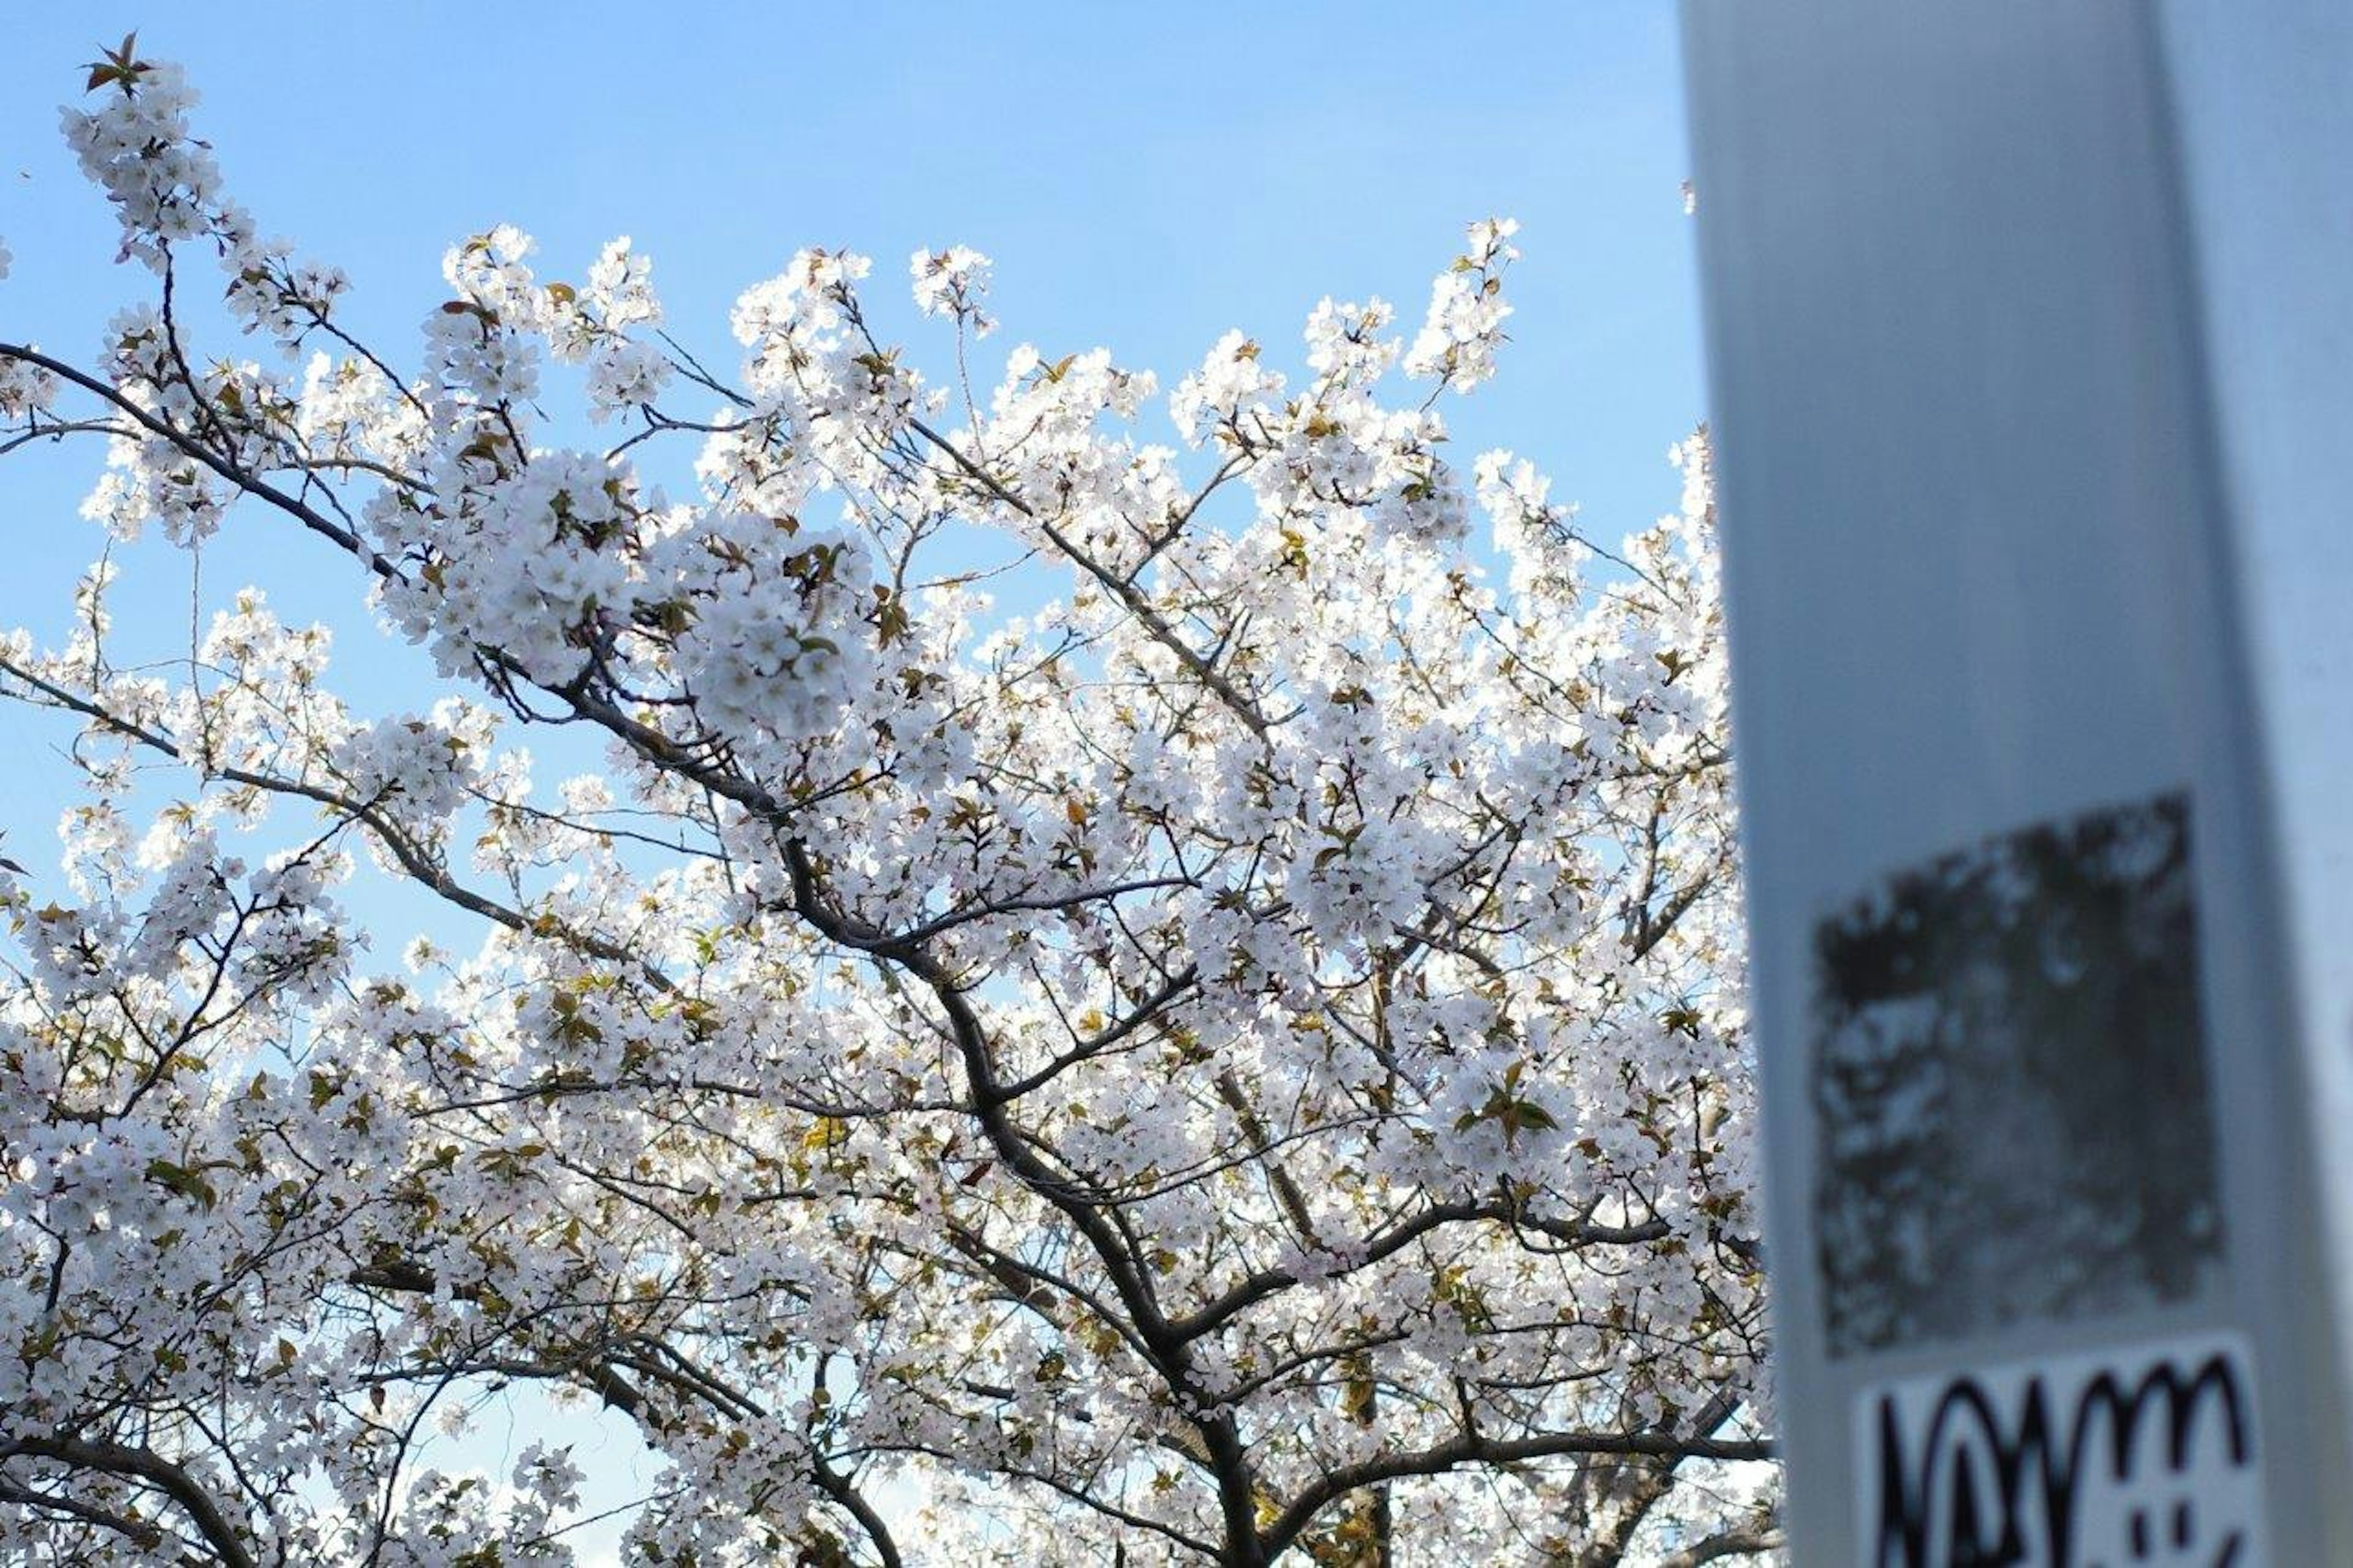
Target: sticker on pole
[[2135, 1457], [2013, 1110]]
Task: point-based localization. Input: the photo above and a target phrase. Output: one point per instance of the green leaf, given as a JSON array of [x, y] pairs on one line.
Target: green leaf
[[179, 1179]]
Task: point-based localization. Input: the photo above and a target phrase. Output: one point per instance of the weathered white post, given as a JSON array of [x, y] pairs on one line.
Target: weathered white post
[[2031, 341]]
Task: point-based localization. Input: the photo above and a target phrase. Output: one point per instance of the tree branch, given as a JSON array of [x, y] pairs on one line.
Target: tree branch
[[142, 1464], [1469, 1448]]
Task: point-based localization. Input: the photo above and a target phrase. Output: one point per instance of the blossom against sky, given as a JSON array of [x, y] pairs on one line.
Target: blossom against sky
[[1141, 181], [1257, 158]]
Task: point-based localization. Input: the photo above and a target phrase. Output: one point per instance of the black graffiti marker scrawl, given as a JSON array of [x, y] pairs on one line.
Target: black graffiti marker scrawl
[[2142, 1458]]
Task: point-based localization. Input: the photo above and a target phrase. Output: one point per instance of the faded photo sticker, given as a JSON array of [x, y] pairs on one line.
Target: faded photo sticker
[[2010, 1083]]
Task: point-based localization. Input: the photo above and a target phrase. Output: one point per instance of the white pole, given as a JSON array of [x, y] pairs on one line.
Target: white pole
[[2031, 346]]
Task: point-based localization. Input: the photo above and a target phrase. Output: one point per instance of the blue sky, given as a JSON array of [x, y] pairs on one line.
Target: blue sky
[[1144, 177]]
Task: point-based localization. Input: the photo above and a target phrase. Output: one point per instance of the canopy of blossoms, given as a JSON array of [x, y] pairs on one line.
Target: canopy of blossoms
[[1243, 1062]]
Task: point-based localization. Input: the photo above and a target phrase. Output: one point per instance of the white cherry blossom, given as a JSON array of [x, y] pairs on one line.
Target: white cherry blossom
[[1236, 1056]]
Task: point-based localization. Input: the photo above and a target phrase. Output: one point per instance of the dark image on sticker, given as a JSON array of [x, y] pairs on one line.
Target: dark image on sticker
[[2010, 1081]]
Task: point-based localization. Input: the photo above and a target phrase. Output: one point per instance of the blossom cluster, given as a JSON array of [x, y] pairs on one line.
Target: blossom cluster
[[1112, 979]]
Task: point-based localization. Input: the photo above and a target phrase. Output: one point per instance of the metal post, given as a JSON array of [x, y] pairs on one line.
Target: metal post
[[2032, 345]]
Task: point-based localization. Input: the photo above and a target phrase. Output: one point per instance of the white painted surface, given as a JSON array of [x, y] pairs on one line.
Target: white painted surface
[[2029, 361]]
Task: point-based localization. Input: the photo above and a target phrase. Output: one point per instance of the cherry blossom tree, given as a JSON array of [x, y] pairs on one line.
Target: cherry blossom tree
[[1245, 1062]]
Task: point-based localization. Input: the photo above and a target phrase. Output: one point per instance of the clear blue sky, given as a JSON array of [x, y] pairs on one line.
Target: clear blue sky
[[1145, 176]]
